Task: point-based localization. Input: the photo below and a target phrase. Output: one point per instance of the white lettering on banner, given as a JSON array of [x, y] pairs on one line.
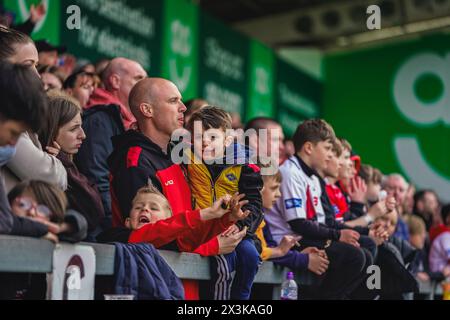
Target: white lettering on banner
[[181, 38], [117, 11], [228, 100], [421, 114], [297, 103], [409, 105], [181, 81], [181, 46], [288, 121], [262, 80], [112, 45], [417, 168], [223, 61]]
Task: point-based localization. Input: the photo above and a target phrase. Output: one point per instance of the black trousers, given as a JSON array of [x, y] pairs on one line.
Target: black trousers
[[346, 271]]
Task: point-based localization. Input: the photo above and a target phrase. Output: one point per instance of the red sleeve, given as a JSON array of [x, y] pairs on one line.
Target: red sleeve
[[203, 239], [165, 231], [210, 248]]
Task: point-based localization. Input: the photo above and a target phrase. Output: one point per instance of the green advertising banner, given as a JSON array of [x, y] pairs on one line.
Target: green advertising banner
[[297, 95], [120, 28], [261, 84], [180, 46], [223, 65], [393, 104], [48, 28]]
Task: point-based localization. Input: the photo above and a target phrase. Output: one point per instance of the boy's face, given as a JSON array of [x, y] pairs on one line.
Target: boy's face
[[333, 167], [10, 131], [346, 171], [270, 193], [321, 154], [147, 208], [214, 142]]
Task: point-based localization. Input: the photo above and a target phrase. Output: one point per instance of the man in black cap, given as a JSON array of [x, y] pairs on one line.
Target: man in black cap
[[48, 53]]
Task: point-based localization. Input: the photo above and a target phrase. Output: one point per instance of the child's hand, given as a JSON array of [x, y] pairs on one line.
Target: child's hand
[[318, 263], [233, 229], [217, 210], [378, 233], [235, 205], [228, 244], [358, 189], [287, 243]]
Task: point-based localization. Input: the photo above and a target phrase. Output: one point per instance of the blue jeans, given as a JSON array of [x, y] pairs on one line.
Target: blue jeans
[[244, 261]]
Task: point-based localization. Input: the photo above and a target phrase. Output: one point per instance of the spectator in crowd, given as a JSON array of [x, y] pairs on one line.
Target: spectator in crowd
[[408, 206], [352, 187], [192, 106], [299, 211], [417, 237], [265, 138], [372, 178], [284, 253], [45, 203], [100, 66], [80, 85], [144, 155], [236, 122], [24, 106], [216, 171], [396, 186], [426, 207], [440, 244], [29, 161], [16, 47], [108, 115], [289, 149], [357, 188], [48, 53], [151, 220], [63, 138], [51, 78]]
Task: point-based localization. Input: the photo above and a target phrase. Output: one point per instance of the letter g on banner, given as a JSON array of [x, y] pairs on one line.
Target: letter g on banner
[[418, 112]]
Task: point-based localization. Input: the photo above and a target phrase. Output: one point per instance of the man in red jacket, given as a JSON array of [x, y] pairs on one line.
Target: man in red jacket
[[143, 156]]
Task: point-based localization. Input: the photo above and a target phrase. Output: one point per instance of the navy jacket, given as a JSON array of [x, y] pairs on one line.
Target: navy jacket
[[100, 123], [141, 271]]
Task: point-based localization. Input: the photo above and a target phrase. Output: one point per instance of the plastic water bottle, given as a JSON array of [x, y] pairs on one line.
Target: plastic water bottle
[[289, 288]]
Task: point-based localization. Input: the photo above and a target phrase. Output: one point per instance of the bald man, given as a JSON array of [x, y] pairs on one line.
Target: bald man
[[107, 114], [142, 155]]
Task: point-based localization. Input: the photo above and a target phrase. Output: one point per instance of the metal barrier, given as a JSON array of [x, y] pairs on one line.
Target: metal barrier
[[31, 255]]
